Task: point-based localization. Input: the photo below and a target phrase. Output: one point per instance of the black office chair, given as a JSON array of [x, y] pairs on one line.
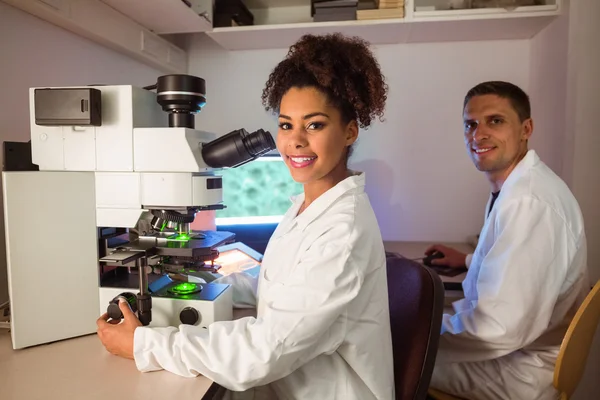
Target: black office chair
[[416, 298]]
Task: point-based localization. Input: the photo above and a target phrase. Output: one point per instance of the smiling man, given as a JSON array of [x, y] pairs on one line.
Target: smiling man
[[528, 273]]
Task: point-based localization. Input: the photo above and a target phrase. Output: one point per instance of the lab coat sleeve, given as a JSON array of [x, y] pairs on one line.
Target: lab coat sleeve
[[518, 284], [299, 322], [244, 288], [468, 259]]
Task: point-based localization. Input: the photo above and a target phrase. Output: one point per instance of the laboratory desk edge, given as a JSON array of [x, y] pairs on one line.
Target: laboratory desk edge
[[82, 368]]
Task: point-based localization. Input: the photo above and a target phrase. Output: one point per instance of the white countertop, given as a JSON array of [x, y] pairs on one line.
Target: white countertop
[[417, 249], [81, 368]]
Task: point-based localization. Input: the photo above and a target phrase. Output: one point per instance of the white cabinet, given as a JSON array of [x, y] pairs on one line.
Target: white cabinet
[[135, 26], [103, 24], [167, 16], [279, 23], [45, 9], [58, 7]]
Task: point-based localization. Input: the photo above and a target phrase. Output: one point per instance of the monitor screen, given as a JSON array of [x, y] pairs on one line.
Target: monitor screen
[[257, 192]]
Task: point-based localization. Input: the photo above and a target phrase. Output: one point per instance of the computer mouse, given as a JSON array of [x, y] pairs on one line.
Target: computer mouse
[[436, 254]]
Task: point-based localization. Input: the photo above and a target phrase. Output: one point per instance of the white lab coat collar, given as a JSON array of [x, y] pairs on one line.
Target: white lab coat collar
[[355, 182], [529, 161]]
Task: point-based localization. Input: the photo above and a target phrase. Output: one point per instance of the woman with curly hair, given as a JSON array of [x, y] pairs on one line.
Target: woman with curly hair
[[322, 328]]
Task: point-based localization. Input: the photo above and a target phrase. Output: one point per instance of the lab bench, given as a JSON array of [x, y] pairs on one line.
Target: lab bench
[[81, 368]]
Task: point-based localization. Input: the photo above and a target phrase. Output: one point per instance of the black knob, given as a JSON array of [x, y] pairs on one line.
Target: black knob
[[189, 316], [113, 310]]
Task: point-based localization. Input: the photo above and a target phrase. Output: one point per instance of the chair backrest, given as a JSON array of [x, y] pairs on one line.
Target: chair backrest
[[416, 297], [575, 347]]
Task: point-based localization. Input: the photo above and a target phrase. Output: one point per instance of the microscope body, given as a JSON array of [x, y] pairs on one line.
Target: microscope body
[[106, 208]]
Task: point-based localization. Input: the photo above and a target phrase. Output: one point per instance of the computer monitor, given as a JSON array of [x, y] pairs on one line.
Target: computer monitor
[[257, 193]]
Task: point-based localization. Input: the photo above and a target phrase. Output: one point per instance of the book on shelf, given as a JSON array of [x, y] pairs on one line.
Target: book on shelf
[[334, 10], [347, 10], [389, 4], [380, 13]]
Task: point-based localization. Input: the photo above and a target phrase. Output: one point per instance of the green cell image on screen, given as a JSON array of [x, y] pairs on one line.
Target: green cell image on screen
[[261, 188]]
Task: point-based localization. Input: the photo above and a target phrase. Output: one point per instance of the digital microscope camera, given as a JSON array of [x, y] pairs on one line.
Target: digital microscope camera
[[99, 205]]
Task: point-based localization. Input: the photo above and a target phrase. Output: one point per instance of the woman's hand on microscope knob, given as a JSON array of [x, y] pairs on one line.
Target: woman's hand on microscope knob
[[117, 335]]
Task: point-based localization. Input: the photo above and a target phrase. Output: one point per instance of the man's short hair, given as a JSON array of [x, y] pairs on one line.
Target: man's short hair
[[517, 97]]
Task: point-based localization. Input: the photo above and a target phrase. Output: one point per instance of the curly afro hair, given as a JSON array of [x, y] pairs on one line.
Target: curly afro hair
[[343, 68]]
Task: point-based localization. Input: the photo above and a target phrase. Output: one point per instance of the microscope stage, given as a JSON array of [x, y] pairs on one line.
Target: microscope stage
[[195, 245], [165, 287]]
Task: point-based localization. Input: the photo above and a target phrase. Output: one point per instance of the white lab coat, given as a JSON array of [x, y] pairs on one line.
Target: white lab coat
[[526, 278], [322, 329]]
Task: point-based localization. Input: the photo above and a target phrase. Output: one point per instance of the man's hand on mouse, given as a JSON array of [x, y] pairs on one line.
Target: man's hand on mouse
[[452, 258], [117, 335]]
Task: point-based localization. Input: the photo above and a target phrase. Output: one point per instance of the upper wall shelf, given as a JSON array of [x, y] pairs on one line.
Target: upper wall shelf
[[167, 17], [383, 31], [134, 27], [415, 27]]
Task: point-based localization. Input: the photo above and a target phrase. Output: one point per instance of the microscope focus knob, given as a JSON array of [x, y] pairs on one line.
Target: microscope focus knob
[[189, 316]]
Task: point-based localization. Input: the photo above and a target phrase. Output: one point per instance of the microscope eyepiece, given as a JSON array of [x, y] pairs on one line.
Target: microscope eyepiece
[[181, 96], [236, 148]]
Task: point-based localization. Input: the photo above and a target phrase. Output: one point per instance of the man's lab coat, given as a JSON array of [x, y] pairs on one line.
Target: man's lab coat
[[322, 329], [526, 279]]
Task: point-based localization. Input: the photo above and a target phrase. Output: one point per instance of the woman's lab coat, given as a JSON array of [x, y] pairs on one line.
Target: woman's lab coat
[[322, 329], [526, 278]]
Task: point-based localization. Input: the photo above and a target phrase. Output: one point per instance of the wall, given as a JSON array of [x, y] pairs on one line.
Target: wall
[[548, 91], [42, 54], [419, 177], [565, 91], [582, 146]]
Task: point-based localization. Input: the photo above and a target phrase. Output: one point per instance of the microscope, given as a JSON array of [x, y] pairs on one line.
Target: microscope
[[99, 206]]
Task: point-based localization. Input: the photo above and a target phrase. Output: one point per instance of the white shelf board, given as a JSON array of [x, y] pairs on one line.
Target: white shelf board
[[163, 16], [477, 29], [253, 37], [542, 10], [489, 26]]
